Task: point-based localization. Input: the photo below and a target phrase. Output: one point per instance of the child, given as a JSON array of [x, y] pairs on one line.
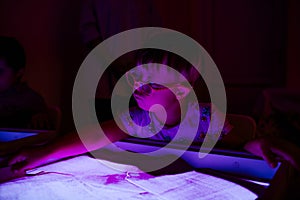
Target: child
[[150, 94], [145, 95], [18, 103], [278, 141], [285, 183]]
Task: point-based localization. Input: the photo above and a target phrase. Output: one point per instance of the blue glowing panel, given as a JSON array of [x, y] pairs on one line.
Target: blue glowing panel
[[239, 163], [6, 136]]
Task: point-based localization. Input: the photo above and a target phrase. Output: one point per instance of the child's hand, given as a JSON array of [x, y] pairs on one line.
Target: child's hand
[[263, 147], [27, 159], [288, 152], [274, 150]]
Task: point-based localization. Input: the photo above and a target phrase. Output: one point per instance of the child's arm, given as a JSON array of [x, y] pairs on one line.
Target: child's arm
[[274, 150], [66, 146]]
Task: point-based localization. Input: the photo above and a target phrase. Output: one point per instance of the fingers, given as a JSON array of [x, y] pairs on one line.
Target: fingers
[[18, 165], [268, 155], [27, 159], [275, 150], [19, 169], [270, 158], [292, 157], [21, 157], [262, 147]]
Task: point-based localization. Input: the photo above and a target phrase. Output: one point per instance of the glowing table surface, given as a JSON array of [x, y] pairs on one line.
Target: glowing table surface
[[84, 177]]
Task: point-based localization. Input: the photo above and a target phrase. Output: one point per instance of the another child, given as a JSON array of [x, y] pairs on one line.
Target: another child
[[278, 141], [18, 102]]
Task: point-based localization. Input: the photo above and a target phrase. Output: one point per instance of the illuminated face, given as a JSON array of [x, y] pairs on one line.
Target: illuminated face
[[145, 81], [8, 76], [151, 94]]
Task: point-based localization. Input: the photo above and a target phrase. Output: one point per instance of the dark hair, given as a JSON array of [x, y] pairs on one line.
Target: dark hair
[[12, 52], [178, 63]]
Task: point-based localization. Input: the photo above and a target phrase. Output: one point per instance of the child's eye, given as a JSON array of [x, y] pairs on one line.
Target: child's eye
[[156, 86]]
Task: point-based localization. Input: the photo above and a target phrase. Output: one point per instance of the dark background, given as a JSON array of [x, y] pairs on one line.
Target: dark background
[[255, 43]]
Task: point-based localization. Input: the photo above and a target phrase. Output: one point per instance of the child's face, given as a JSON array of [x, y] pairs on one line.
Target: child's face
[[150, 94], [7, 76], [146, 90]]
